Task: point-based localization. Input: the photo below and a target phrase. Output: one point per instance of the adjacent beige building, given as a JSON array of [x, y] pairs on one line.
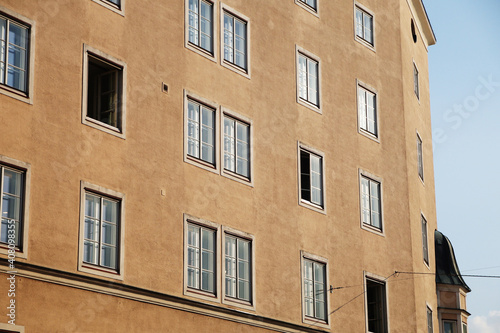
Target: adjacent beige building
[[216, 166]]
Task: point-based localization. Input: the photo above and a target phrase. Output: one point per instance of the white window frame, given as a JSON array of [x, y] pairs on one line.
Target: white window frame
[[299, 51], [383, 282], [420, 157], [249, 305], [303, 202], [119, 131], [311, 9], [99, 270], [215, 167], [368, 89], [24, 96], [196, 48], [229, 65], [307, 319], [364, 10], [227, 173], [118, 9], [25, 168], [198, 293], [369, 227], [425, 240], [416, 81], [430, 324]]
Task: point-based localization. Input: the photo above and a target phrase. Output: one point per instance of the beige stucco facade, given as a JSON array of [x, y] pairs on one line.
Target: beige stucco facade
[[143, 164]]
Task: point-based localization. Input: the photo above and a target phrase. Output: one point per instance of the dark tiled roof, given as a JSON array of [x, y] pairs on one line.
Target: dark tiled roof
[[447, 271]]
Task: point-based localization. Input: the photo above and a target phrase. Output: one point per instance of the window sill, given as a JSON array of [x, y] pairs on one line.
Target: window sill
[[103, 127], [369, 135], [239, 303], [309, 105], [365, 43], [201, 51], [200, 294], [100, 271], [236, 177], [316, 322], [16, 94], [19, 254], [200, 163], [308, 8], [372, 229], [242, 71], [118, 10], [312, 206]]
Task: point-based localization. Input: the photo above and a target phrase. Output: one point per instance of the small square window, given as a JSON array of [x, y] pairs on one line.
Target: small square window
[[16, 60], [238, 268], [237, 140], [308, 83], [101, 231], [200, 25], [371, 203], [235, 37], [420, 159], [14, 194], [416, 88], [376, 306], [364, 26], [425, 241], [367, 112], [104, 92]]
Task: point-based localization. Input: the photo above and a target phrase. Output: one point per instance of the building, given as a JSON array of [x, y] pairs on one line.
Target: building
[[209, 165]]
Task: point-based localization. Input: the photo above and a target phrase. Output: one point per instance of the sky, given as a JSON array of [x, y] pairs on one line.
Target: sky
[[464, 69]]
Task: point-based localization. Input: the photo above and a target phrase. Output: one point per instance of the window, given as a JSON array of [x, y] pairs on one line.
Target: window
[[104, 95], [201, 24], [415, 81], [430, 328], [376, 308], [102, 231], [201, 258], [367, 111], [420, 159], [237, 154], [10, 328], [235, 34], [364, 26], [464, 327], [238, 270], [315, 287], [371, 206], [311, 182], [425, 242], [450, 326], [14, 194], [308, 80], [114, 5], [201, 132], [16, 60]]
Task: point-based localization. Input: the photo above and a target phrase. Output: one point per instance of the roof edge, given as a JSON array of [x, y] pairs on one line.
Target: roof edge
[[423, 17]]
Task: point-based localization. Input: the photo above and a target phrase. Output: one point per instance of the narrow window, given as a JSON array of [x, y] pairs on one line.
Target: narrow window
[[311, 177], [364, 26], [376, 306], [200, 18], [237, 146], [371, 213], [101, 231], [430, 328], [415, 81], [201, 132], [464, 327], [420, 159], [367, 111], [12, 192], [425, 242], [238, 270], [201, 260], [314, 287], [450, 326], [308, 79], [14, 54], [235, 40]]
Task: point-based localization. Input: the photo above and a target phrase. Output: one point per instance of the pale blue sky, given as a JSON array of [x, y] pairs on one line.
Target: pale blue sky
[[465, 104]]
